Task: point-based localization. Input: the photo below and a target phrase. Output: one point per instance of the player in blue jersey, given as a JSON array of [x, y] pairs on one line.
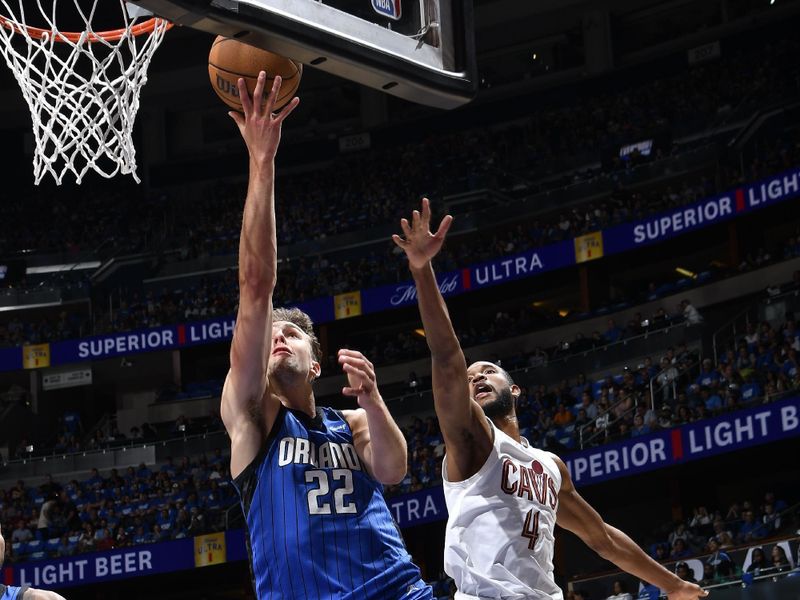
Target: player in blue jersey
[[10, 592], [310, 478]]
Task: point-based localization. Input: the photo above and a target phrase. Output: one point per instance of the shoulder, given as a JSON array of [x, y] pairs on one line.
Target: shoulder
[[563, 470], [356, 419], [36, 594]]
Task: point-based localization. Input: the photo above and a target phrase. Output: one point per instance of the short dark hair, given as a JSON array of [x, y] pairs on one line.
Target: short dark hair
[[297, 317], [504, 373]]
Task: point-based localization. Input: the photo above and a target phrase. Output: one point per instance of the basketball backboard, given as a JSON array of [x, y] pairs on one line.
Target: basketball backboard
[[420, 50]]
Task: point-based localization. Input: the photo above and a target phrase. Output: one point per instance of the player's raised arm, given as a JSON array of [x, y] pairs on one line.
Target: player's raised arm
[[577, 516], [246, 383], [466, 432]]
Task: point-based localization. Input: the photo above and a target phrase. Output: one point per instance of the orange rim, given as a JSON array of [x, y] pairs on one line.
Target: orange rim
[[112, 35]]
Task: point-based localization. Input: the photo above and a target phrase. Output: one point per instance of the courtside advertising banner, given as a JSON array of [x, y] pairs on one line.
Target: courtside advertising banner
[[705, 213], [735, 431], [417, 508], [728, 433], [124, 563]]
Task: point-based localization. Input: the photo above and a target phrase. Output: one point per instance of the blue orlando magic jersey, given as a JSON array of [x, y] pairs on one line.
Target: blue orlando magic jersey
[[11, 592], [317, 521]]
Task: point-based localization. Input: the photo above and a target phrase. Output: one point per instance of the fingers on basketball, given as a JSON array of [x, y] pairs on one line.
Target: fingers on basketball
[[231, 59]]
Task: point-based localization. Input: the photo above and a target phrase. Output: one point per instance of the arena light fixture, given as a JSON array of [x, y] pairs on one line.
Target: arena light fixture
[[686, 272], [79, 266]]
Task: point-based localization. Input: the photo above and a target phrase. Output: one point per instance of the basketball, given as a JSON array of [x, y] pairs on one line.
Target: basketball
[[230, 59]]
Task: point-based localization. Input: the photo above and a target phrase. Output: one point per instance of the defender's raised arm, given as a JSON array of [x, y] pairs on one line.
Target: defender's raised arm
[[464, 427]]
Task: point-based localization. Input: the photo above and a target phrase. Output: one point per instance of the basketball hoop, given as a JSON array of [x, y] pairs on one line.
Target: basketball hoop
[[82, 88]]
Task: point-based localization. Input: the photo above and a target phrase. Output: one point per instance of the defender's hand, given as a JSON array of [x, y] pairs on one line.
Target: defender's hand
[[420, 245], [360, 378], [259, 126]]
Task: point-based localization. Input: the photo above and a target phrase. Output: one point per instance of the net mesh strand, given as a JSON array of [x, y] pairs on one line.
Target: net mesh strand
[[83, 94]]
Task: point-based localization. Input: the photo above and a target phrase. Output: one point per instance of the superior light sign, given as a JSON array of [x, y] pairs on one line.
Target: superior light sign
[[704, 213], [736, 431]]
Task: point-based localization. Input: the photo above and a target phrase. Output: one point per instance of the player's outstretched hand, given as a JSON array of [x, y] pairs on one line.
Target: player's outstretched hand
[[687, 591], [360, 378], [419, 244], [259, 126]]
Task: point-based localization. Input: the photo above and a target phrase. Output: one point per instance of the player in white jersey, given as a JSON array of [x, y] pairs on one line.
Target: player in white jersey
[[504, 497]]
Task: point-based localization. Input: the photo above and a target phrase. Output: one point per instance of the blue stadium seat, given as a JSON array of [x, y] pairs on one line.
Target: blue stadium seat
[[51, 546], [19, 548], [665, 289]]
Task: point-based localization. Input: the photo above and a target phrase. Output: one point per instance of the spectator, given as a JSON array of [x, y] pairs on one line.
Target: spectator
[[780, 562], [683, 571], [21, 533], [613, 332], [87, 542], [751, 529], [701, 518], [708, 375], [647, 591], [679, 533], [639, 428], [717, 555], [711, 400], [709, 575], [620, 591], [563, 417], [778, 504], [666, 377], [758, 561], [47, 516], [771, 519], [690, 314], [665, 418], [725, 540], [680, 549], [65, 548]]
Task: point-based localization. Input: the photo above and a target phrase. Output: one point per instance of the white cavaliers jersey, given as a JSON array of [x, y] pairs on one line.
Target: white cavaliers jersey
[[499, 539]]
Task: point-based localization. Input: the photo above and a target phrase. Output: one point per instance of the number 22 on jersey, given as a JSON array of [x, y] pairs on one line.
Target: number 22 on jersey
[[319, 495]]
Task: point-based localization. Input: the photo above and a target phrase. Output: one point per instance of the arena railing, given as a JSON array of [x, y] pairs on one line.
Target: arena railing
[[598, 585], [773, 308]]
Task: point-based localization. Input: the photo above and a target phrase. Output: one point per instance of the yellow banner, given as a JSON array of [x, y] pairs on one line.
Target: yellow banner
[[209, 550], [36, 356], [589, 247], [347, 305]]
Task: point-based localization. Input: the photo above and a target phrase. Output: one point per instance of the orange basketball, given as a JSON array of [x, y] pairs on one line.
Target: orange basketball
[[230, 59]]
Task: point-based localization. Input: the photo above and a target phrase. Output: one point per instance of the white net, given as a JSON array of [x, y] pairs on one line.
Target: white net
[[82, 88]]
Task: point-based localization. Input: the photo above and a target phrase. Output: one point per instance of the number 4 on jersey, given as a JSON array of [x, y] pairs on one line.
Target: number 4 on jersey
[[530, 529]]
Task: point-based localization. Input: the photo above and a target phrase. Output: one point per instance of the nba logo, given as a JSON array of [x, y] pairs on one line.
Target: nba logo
[[388, 8]]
